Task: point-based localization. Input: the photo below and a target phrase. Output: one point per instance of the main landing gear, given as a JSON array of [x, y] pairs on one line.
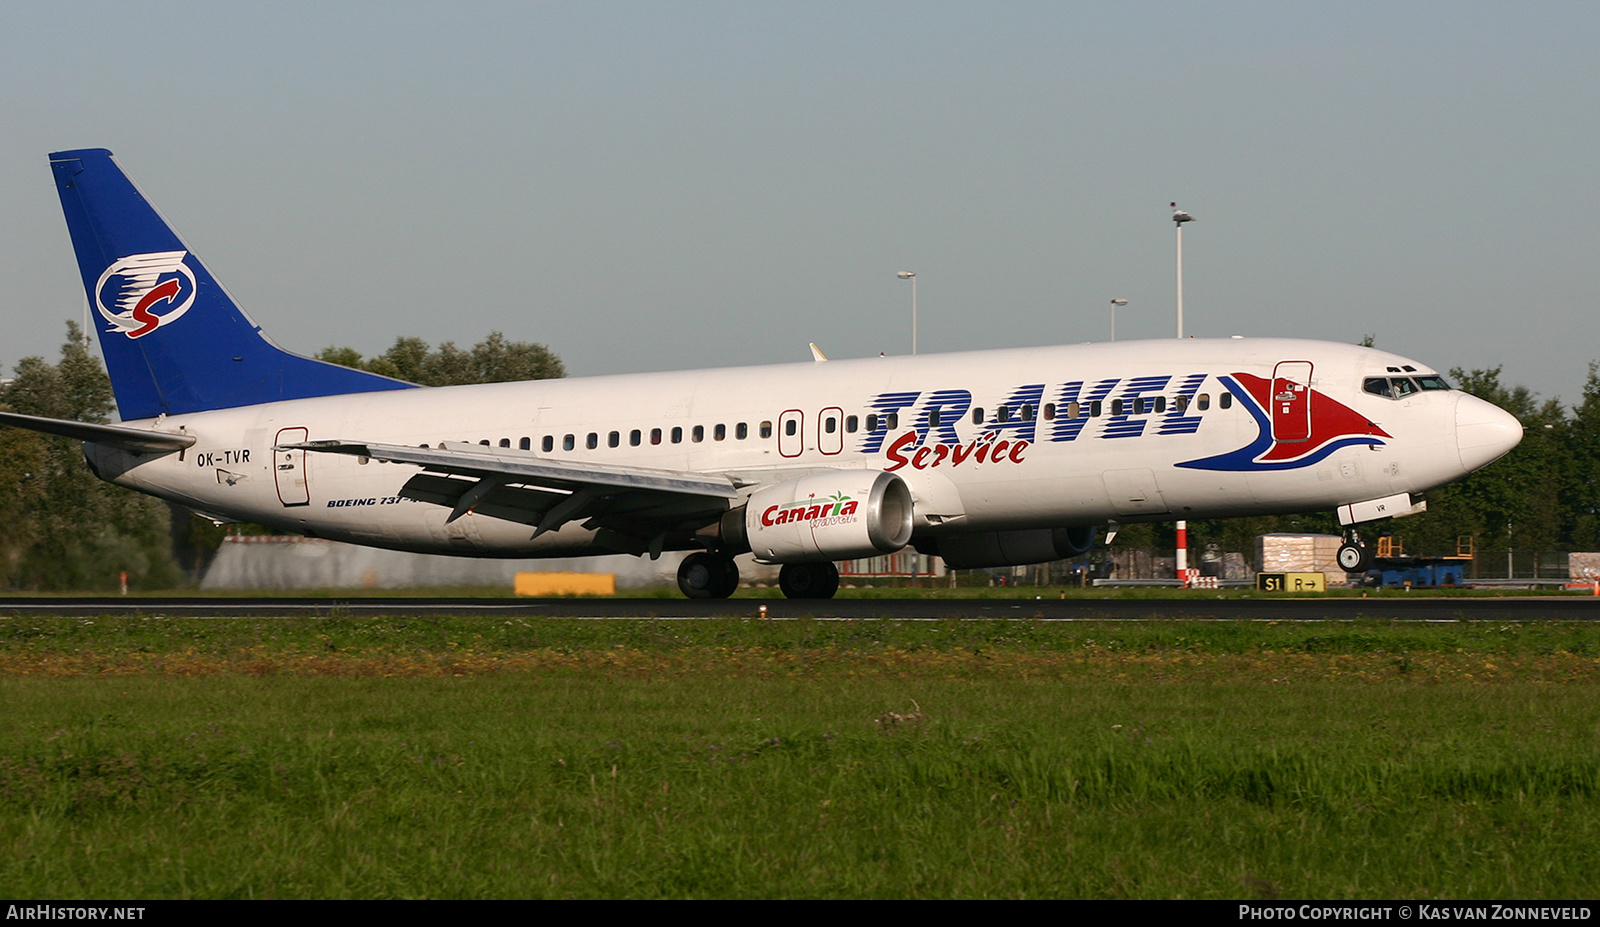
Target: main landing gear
[[708, 576], [809, 580], [705, 575], [1354, 555]]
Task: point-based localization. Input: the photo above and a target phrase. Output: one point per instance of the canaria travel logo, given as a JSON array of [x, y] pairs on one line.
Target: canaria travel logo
[[837, 509]]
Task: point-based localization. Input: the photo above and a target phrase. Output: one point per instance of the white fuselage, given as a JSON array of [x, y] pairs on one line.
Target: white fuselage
[[1091, 433]]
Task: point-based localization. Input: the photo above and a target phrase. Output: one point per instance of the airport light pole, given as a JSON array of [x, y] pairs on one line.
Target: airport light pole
[[912, 276], [1179, 217], [1116, 304]]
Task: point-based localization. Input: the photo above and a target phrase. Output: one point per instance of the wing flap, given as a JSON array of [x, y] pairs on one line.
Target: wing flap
[[524, 467], [518, 486]]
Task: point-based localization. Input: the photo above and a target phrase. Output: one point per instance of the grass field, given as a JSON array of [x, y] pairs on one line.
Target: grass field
[[155, 758]]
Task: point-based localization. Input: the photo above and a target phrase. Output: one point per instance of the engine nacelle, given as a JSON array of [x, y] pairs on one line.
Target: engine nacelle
[[834, 516], [1012, 548]]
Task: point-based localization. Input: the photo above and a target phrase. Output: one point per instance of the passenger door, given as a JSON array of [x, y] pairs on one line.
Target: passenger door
[[289, 468], [1291, 402]]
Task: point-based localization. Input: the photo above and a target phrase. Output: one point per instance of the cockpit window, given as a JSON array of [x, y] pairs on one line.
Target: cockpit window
[[1397, 387]]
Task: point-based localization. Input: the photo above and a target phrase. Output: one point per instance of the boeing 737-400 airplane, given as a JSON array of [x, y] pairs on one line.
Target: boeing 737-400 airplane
[[986, 458]]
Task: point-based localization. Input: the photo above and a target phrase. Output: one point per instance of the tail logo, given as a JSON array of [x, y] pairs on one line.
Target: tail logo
[[133, 287]]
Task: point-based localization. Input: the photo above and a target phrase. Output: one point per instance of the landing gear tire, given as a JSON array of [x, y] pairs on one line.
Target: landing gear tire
[[1354, 557], [708, 576], [809, 580]]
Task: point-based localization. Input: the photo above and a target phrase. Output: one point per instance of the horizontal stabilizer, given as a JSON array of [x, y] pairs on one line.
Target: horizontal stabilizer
[[138, 440]]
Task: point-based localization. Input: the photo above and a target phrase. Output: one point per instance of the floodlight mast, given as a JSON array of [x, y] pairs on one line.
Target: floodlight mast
[[912, 276], [1116, 304], [1179, 217]]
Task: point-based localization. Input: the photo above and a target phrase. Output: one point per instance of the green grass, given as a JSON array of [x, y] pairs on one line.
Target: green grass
[[151, 758]]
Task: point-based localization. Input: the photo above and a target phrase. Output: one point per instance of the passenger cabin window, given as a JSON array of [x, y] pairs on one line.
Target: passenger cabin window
[[720, 433], [526, 444], [831, 424], [698, 434], [977, 416], [568, 442], [766, 429], [592, 442], [1161, 404], [1049, 411], [547, 443], [790, 427], [872, 422], [1027, 413], [1225, 400], [1074, 409], [741, 431], [1204, 402], [505, 442], [634, 438], [894, 420], [851, 423], [677, 434], [1180, 404], [933, 419], [1116, 407], [655, 436], [1094, 409], [614, 439], [1002, 414]]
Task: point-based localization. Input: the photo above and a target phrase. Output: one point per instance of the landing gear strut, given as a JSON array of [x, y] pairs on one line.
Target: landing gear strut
[[1354, 555], [809, 580], [708, 576]]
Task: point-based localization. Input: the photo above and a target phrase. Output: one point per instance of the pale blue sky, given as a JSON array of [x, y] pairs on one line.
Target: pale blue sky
[[649, 186]]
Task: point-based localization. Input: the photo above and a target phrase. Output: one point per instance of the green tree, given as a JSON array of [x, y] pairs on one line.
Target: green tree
[[68, 529], [1581, 484], [1518, 502], [492, 360]]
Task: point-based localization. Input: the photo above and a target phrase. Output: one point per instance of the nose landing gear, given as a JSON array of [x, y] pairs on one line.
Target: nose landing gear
[[1354, 555]]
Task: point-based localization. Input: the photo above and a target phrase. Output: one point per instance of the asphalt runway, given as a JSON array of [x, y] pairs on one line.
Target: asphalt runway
[[1419, 608]]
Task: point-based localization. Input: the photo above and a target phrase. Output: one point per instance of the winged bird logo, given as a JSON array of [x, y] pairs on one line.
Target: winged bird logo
[[134, 286]]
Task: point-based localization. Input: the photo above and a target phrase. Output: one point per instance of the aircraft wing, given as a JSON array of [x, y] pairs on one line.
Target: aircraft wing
[[140, 440], [515, 485]]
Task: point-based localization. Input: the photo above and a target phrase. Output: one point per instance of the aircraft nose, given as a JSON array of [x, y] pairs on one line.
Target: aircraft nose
[[1484, 432]]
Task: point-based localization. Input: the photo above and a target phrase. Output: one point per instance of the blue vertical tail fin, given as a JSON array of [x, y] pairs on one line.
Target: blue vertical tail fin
[[173, 340]]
